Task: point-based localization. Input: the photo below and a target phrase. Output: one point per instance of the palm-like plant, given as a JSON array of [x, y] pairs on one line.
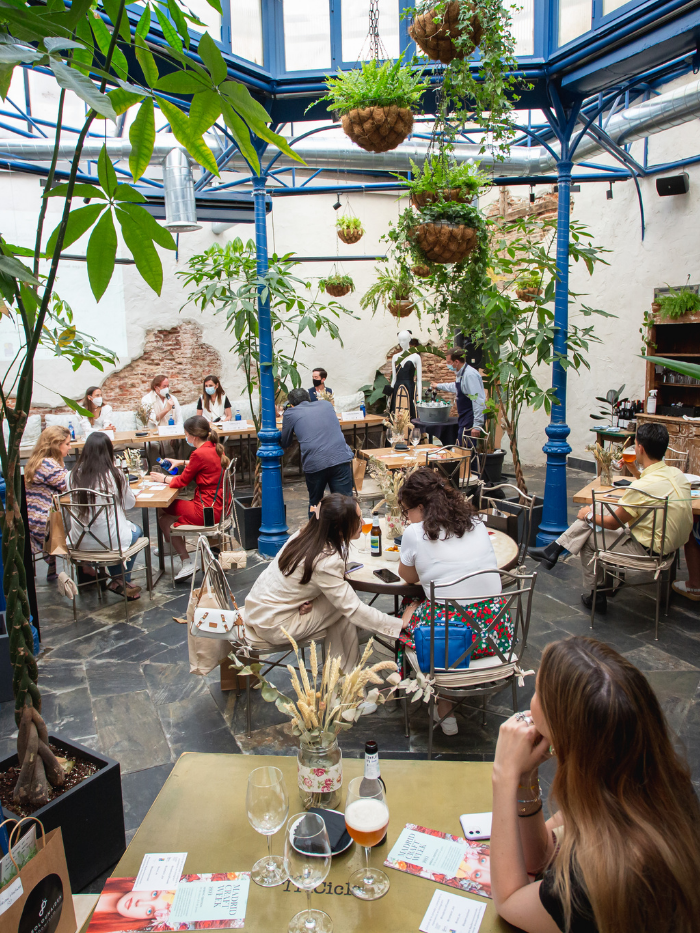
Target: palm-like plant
[[612, 398]]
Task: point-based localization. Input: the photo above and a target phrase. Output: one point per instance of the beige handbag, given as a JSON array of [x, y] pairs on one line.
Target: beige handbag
[[212, 622]]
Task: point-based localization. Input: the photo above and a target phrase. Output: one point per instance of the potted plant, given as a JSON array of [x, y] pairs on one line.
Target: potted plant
[[612, 398], [446, 231], [390, 482], [395, 289], [376, 102], [529, 285], [678, 303], [337, 285], [435, 30], [350, 229], [442, 179]]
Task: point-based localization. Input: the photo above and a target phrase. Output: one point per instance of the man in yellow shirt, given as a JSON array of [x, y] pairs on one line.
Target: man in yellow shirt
[[656, 478]]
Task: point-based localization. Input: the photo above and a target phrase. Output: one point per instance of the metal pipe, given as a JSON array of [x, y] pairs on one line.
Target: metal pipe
[[180, 205]]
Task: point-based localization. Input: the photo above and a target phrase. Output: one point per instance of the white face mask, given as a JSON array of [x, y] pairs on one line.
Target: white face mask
[[97, 401], [164, 393], [210, 390]]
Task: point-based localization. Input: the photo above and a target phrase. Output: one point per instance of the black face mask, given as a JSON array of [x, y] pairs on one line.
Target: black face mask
[[317, 382]]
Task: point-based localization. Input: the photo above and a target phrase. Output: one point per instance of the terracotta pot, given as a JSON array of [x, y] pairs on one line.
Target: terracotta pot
[[435, 39], [337, 291], [528, 294], [655, 307], [350, 236], [421, 198], [444, 242], [378, 129], [401, 308], [421, 270]]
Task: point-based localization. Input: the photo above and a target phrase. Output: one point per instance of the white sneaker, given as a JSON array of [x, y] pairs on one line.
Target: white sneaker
[[185, 571], [448, 724]]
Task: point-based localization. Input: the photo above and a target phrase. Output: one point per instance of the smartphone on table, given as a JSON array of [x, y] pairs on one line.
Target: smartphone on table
[[386, 576], [353, 566]]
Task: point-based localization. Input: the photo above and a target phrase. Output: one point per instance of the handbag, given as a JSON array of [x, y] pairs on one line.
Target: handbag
[[213, 624], [460, 640], [208, 519]]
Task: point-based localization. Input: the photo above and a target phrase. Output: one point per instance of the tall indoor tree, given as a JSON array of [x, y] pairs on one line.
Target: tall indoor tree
[[87, 48]]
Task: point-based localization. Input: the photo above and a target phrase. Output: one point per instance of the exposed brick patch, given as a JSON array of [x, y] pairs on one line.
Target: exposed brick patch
[[434, 369]]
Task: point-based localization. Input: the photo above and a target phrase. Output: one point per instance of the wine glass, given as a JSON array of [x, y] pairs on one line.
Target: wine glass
[[416, 435], [366, 528], [307, 858], [268, 806], [366, 820]]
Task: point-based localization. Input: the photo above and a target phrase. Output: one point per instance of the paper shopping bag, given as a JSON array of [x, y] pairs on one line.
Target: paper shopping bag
[[358, 472], [205, 653], [55, 539], [38, 899]]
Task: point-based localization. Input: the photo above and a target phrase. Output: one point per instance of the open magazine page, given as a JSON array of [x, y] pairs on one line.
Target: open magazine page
[[444, 858]]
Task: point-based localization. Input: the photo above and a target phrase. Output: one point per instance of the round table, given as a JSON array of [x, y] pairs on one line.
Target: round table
[[364, 581]]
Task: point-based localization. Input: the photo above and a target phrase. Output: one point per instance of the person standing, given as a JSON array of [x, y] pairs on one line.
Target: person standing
[[325, 457], [213, 403], [469, 389], [318, 377], [100, 414], [45, 477], [160, 404]]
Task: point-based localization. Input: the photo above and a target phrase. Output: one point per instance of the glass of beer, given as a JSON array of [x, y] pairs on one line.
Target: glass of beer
[[366, 820], [629, 455], [366, 528]]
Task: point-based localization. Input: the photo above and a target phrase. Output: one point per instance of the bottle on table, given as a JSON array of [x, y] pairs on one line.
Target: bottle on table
[[372, 782], [171, 421], [363, 410], [238, 413], [71, 430], [375, 538]]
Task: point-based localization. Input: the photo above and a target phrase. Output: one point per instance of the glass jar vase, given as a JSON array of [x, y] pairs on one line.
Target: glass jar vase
[[394, 526], [320, 772]]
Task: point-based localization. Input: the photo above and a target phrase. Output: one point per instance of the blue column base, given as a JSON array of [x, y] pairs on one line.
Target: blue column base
[[273, 528], [554, 514]]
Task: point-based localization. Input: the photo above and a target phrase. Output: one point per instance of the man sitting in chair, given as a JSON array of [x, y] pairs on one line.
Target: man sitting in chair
[[656, 478]]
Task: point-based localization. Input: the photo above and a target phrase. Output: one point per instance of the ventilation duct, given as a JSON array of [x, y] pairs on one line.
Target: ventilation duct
[[180, 207]]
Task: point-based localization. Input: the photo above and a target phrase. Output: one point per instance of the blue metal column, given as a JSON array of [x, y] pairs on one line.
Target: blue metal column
[[273, 530], [554, 520]]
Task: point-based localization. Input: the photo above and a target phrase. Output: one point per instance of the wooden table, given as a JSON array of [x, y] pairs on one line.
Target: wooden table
[[398, 459], [149, 498], [584, 497], [201, 810]]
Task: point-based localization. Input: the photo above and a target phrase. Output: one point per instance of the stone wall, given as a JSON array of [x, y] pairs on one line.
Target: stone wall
[[434, 370]]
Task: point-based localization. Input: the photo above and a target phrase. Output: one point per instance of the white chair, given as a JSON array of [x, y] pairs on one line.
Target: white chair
[[90, 520], [677, 458]]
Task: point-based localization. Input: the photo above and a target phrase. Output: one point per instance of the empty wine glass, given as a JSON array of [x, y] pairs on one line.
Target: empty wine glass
[[268, 806], [366, 820], [307, 858], [416, 435]]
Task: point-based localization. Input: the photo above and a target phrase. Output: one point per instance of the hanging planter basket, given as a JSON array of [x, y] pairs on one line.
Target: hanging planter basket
[[444, 242], [401, 308], [528, 294], [421, 198], [350, 236], [338, 291], [421, 270], [435, 38], [378, 129]]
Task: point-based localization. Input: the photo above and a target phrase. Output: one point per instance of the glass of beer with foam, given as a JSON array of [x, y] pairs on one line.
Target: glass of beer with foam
[[366, 820]]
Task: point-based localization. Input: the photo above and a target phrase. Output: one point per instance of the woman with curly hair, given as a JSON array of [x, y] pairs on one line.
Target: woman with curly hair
[[444, 542], [45, 477], [622, 854]]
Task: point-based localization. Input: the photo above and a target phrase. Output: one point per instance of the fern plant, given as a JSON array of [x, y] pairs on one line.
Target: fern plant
[[391, 83], [678, 303], [393, 284], [341, 281], [438, 174]]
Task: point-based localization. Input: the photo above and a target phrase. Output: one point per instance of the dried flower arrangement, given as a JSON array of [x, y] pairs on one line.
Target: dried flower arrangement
[[133, 459], [390, 482], [604, 456], [323, 395], [142, 414], [399, 421]]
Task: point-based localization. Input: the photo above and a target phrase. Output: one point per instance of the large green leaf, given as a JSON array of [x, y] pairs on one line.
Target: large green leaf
[[145, 58], [13, 267], [216, 4], [186, 133], [144, 23], [73, 80], [80, 190], [5, 79], [82, 58], [151, 226], [211, 56], [106, 173], [205, 109], [241, 134], [122, 100], [127, 193], [256, 117], [142, 249], [103, 37], [180, 82], [169, 31], [111, 7], [78, 9], [678, 366], [142, 136], [101, 253], [179, 20], [12, 53], [79, 221]]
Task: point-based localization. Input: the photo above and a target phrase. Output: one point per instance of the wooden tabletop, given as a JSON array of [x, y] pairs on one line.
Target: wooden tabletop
[[396, 460], [584, 497], [150, 496], [201, 810]]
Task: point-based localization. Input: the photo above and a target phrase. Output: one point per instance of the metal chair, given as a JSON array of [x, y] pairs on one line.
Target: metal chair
[[452, 469], [677, 458], [222, 529], [522, 509], [617, 564], [90, 520], [484, 676]]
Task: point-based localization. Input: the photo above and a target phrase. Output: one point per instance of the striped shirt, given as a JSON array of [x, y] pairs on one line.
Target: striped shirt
[[49, 480]]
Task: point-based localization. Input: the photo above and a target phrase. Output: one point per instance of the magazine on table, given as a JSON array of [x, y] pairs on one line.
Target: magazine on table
[[444, 858]]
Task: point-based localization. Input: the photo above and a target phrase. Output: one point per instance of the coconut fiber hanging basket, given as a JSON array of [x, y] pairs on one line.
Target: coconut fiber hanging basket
[[378, 129], [350, 236], [401, 308], [421, 198], [338, 291], [435, 38], [528, 294], [444, 242]]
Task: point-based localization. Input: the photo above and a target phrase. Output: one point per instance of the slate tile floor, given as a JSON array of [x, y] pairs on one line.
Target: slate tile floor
[[125, 688]]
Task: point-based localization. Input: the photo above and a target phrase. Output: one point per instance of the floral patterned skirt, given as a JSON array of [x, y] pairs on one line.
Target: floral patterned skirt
[[484, 611]]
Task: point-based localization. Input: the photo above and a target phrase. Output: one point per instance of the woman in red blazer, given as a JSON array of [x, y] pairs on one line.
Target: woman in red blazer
[[206, 467]]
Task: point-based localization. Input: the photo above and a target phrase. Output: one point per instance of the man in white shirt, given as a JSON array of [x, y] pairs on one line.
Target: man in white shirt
[[469, 389]]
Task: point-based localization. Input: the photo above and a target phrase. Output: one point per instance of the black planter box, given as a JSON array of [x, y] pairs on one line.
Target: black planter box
[[493, 468], [249, 520], [91, 816]]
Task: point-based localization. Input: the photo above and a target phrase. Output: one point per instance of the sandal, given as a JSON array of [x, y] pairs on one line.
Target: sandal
[[131, 592]]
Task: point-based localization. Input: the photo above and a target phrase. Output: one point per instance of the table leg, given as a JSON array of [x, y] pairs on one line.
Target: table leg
[[161, 544], [145, 519]]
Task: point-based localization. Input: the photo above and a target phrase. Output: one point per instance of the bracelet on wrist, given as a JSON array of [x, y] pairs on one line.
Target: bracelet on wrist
[[532, 813]]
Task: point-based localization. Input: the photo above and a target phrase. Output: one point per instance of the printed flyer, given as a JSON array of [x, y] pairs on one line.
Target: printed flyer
[[197, 902], [441, 857]]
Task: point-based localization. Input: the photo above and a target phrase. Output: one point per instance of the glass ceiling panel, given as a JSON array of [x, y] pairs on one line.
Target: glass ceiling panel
[[307, 35], [610, 5], [524, 27], [575, 18], [355, 25], [206, 13], [246, 30]]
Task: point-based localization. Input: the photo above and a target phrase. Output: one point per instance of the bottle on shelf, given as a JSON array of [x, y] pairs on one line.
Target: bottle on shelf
[[71, 429], [372, 780], [375, 538], [238, 413], [167, 466], [651, 402], [616, 415]]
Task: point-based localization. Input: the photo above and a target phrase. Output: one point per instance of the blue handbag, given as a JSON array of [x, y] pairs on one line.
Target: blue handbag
[[460, 639]]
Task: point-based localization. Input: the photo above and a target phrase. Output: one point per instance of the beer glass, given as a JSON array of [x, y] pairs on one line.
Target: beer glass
[[307, 858], [366, 820], [366, 528], [267, 805]]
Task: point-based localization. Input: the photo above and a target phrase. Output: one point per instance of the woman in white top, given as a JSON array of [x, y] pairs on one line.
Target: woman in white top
[[95, 470], [444, 542], [101, 414], [213, 403], [160, 404], [304, 589]]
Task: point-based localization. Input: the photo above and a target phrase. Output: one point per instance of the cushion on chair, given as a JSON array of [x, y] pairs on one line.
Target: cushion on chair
[[124, 420], [348, 402], [105, 556], [64, 421], [189, 410], [244, 405]]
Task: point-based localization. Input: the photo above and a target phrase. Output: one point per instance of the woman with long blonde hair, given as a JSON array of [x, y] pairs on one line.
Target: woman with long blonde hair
[[44, 477], [622, 855]]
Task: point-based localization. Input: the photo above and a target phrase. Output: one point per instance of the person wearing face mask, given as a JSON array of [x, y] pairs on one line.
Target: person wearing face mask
[[205, 467], [160, 404], [469, 389], [318, 377], [100, 414], [213, 403]]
